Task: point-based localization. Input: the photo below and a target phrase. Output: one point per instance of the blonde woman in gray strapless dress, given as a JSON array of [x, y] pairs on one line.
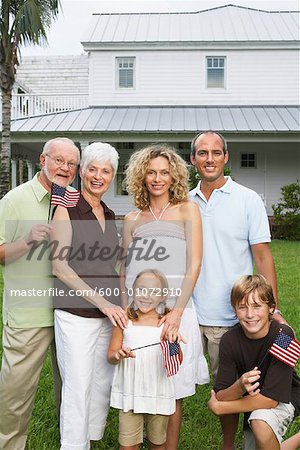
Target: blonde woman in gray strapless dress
[[166, 234]]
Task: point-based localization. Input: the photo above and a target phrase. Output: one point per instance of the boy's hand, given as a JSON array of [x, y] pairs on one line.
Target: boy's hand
[[214, 404], [248, 381], [123, 353]]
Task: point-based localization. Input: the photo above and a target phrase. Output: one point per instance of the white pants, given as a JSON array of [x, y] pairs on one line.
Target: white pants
[[82, 345]]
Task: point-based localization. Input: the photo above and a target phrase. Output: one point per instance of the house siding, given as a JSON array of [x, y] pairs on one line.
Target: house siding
[[54, 74], [278, 164], [164, 77]]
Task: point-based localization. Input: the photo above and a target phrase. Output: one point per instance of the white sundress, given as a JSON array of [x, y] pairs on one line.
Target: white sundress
[[171, 236], [141, 384]]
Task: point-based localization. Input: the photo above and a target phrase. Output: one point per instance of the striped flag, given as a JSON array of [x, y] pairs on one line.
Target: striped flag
[[286, 349], [172, 356], [61, 196]]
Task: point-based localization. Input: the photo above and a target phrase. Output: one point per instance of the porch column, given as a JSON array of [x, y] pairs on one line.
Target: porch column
[[83, 144], [13, 173], [29, 170]]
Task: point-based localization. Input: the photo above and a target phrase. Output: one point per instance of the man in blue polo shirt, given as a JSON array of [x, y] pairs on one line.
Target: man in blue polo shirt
[[235, 234]]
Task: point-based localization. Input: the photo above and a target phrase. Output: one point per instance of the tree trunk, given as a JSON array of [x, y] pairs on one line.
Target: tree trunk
[[5, 150]]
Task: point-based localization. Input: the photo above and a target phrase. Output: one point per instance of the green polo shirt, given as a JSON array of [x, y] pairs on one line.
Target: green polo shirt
[[27, 301]]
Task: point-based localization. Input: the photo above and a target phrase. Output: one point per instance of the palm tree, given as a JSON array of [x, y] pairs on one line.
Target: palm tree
[[22, 22]]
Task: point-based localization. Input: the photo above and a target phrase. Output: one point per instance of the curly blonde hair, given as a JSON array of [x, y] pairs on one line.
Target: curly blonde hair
[[134, 181]]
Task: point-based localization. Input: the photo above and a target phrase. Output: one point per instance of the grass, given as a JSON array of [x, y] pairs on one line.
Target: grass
[[200, 429]]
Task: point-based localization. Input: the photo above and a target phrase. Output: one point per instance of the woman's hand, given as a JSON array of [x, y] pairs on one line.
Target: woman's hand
[[171, 325], [248, 381], [115, 313]]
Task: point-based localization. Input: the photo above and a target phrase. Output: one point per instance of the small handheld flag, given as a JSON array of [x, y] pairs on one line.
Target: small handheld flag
[[61, 196], [172, 356], [286, 349]]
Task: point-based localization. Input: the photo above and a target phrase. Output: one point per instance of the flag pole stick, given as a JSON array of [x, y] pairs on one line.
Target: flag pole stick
[[144, 346], [49, 211], [280, 330]]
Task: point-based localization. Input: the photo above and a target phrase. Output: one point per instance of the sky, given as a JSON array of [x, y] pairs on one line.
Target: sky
[[66, 32]]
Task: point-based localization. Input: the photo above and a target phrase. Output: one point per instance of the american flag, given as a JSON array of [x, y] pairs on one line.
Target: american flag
[[172, 356], [61, 196], [286, 349]]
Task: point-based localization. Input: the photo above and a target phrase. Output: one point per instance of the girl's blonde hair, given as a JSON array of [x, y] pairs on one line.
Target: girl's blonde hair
[[131, 312], [134, 181], [249, 284]]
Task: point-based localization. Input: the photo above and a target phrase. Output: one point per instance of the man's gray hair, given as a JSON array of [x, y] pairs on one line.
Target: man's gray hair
[[49, 144], [99, 152]]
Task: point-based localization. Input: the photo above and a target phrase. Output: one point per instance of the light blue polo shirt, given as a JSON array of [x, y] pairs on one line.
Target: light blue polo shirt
[[234, 218]]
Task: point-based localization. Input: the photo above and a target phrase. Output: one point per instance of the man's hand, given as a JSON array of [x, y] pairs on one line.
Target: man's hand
[[249, 381], [38, 233]]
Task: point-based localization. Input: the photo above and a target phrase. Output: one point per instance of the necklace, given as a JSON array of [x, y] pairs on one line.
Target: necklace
[[161, 213]]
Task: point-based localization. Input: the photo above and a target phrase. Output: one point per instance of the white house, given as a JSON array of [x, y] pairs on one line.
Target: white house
[[163, 77]]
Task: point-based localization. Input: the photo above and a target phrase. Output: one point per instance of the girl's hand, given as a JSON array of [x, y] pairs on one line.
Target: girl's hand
[[115, 314], [171, 325], [123, 353], [248, 381]]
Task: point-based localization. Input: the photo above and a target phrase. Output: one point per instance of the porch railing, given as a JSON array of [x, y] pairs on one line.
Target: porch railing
[[25, 105]]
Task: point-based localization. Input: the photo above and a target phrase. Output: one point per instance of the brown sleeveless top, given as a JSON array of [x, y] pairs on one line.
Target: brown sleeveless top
[[93, 256]]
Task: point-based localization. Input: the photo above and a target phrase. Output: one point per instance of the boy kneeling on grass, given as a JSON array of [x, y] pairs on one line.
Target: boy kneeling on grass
[[250, 378]]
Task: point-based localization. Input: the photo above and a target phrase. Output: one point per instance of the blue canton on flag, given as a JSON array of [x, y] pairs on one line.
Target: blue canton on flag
[[61, 196], [286, 349]]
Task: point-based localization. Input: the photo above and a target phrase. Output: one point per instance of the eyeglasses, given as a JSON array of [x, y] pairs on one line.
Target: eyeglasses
[[60, 162]]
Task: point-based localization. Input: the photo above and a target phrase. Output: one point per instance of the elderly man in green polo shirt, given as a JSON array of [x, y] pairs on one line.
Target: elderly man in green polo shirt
[[27, 303]]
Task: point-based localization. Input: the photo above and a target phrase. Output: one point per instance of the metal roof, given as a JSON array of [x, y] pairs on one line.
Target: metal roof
[[155, 119], [226, 23]]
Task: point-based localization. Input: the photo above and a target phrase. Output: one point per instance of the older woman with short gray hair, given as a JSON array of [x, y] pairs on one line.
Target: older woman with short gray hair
[[88, 303]]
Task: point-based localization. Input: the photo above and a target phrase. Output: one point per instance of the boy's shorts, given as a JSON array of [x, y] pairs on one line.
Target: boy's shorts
[[131, 427], [277, 418]]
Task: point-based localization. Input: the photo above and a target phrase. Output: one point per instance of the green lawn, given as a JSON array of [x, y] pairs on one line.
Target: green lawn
[[200, 429]]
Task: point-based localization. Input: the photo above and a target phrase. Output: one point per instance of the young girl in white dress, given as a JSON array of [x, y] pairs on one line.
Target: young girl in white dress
[[166, 234], [141, 389]]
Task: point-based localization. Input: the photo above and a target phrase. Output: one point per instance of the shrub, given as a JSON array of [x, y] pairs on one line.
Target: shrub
[[287, 213]]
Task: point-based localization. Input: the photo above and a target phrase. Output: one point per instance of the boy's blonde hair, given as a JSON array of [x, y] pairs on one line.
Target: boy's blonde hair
[[249, 284], [131, 313]]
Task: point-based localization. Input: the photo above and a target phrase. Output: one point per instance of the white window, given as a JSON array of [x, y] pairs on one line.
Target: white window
[[125, 68], [215, 67], [248, 160]]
